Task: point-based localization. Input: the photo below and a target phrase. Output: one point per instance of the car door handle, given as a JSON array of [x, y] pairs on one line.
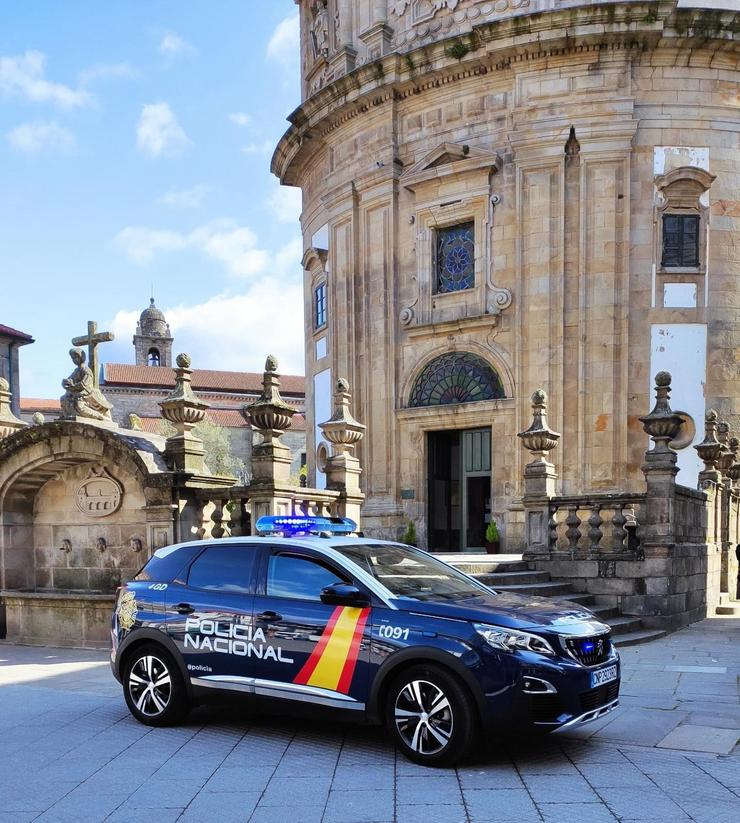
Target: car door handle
[[269, 615], [184, 608]]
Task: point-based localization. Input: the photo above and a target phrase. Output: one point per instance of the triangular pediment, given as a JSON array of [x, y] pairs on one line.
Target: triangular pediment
[[449, 158]]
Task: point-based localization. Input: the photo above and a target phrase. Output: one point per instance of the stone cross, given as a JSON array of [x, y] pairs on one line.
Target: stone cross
[[92, 339]]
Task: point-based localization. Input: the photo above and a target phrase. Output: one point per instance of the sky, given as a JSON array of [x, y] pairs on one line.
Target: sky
[[135, 147]]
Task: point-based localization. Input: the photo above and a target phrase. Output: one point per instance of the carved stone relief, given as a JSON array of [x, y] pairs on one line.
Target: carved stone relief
[[99, 495]]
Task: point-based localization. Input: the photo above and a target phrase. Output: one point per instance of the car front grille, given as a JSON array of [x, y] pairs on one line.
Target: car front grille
[[589, 650], [546, 708], [600, 696]]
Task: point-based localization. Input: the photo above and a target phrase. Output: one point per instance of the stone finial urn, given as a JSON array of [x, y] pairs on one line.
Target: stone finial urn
[[9, 423], [270, 415], [342, 430], [733, 472], [662, 424], [710, 449], [727, 458], [182, 408], [539, 439]]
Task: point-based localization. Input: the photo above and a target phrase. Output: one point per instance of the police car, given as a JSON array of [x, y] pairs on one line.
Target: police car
[[367, 629]]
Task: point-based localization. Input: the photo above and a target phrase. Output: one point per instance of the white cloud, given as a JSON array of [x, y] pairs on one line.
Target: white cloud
[[184, 198], [23, 76], [158, 131], [172, 44], [103, 71], [237, 331], [224, 241], [41, 136], [240, 118], [286, 204], [233, 330], [284, 44], [265, 147]]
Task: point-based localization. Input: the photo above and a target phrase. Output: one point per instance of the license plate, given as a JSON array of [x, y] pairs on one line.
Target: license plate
[[604, 676]]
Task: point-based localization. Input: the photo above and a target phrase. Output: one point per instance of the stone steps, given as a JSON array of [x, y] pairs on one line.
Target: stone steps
[[728, 608], [508, 573]]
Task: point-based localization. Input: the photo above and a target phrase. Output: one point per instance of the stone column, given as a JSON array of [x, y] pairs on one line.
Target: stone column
[[539, 479], [183, 409], [343, 59], [660, 470], [270, 416], [9, 423], [710, 450], [343, 468]]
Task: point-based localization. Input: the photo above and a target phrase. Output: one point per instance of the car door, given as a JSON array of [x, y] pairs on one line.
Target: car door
[[209, 615], [318, 653]]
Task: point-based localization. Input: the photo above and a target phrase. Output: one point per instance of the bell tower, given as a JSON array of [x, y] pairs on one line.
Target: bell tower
[[153, 340]]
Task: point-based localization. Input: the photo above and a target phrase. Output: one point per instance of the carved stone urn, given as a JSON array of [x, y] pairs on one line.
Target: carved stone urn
[[727, 458], [341, 429], [184, 410], [270, 414], [9, 423], [662, 424], [539, 439], [710, 449]]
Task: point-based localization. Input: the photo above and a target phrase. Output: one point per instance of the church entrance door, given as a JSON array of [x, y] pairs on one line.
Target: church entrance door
[[459, 489]]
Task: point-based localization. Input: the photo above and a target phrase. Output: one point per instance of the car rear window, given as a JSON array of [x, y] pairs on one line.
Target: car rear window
[[163, 566], [224, 568]]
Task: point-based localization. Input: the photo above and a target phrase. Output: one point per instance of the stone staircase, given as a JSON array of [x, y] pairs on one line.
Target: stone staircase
[[728, 606], [510, 573]]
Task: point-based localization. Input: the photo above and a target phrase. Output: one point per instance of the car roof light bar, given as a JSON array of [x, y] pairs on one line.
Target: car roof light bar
[[291, 525]]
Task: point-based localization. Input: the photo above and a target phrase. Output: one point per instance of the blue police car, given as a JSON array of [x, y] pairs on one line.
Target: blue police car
[[367, 629]]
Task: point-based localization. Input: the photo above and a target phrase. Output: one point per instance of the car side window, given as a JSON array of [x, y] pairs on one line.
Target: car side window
[[289, 575], [223, 568]]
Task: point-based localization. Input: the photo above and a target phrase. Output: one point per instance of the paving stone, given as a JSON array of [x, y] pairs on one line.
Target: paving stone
[[575, 813], [501, 806], [546, 788], [440, 788], [701, 739], [645, 804], [239, 779], [295, 791], [361, 806], [277, 814], [645, 727], [490, 777], [223, 807], [437, 813], [363, 777]]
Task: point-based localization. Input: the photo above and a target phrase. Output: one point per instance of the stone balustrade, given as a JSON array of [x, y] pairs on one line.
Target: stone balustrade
[[595, 525]]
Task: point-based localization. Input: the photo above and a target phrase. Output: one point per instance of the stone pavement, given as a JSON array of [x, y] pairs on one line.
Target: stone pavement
[[69, 751]]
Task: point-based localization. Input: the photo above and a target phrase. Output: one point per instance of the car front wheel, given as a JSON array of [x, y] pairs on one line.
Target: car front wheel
[[431, 715], [153, 687]]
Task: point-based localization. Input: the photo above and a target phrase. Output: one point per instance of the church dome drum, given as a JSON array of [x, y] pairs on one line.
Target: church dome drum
[[152, 321]]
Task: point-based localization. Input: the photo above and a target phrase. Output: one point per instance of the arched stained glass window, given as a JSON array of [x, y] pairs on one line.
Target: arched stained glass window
[[456, 377]]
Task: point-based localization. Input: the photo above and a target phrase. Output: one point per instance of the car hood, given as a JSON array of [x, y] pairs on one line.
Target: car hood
[[513, 611]]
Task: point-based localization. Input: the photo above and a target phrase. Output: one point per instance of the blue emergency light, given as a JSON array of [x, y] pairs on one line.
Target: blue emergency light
[[290, 525]]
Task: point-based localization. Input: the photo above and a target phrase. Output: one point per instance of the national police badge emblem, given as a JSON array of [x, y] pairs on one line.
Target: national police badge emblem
[[127, 610]]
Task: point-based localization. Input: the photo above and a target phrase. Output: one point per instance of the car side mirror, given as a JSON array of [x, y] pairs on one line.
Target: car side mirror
[[344, 594]]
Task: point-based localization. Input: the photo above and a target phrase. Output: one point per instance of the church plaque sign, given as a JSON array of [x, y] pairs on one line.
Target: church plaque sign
[[99, 494]]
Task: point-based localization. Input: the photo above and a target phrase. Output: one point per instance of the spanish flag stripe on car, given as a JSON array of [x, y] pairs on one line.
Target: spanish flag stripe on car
[[332, 663]]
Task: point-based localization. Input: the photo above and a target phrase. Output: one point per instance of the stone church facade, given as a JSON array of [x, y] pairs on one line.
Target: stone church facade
[[505, 196]]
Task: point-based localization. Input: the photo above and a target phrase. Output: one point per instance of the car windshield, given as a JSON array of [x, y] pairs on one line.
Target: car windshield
[[410, 573]]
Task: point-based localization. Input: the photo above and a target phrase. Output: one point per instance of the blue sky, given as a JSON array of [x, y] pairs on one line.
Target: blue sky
[[135, 143]]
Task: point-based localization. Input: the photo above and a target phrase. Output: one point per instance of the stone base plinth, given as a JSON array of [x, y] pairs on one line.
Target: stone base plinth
[[56, 619]]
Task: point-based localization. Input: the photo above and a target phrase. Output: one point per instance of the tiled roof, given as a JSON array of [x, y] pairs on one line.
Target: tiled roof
[[18, 335], [42, 404], [125, 374]]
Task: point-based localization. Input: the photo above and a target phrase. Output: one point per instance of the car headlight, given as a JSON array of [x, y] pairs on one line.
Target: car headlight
[[511, 640]]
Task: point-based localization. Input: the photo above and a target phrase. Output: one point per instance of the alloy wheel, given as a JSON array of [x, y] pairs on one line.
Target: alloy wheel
[[423, 717], [150, 685]]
